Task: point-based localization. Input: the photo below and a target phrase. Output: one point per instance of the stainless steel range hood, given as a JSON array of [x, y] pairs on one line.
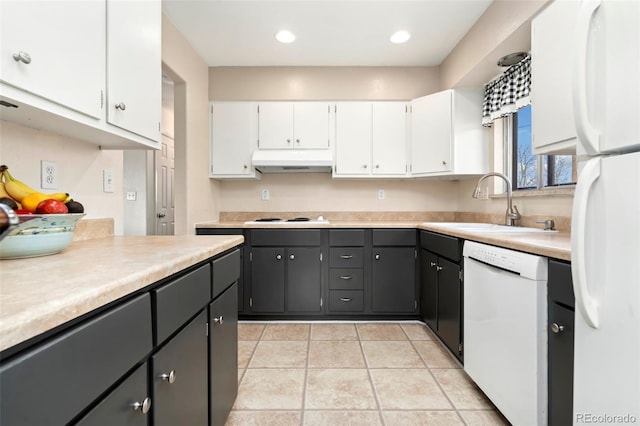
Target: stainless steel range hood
[[292, 160]]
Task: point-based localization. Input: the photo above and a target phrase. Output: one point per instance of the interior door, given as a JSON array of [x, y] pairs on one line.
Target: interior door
[[165, 184]]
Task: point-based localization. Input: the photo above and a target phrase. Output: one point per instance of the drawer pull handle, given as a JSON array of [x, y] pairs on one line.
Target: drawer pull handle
[[171, 377], [556, 328], [143, 406], [219, 320], [345, 299], [346, 256], [346, 277]]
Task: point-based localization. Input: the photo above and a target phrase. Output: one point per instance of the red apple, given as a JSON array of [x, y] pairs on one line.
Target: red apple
[[23, 211], [51, 206]]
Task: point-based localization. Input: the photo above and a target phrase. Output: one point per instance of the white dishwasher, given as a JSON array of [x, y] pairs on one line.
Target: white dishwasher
[[505, 320]]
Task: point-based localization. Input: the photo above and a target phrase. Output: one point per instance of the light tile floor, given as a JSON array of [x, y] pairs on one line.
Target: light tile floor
[[352, 374]]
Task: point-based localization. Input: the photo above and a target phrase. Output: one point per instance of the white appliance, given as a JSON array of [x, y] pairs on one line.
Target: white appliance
[[505, 337], [605, 228]]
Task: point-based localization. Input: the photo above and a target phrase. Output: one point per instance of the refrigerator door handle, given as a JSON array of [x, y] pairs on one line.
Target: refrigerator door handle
[[587, 305], [589, 136]]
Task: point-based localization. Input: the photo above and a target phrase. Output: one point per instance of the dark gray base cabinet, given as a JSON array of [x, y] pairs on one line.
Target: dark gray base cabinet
[[148, 360], [286, 271], [561, 312], [393, 280], [223, 356], [179, 385], [441, 288]]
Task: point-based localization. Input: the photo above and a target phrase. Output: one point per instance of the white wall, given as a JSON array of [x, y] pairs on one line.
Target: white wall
[[80, 165]]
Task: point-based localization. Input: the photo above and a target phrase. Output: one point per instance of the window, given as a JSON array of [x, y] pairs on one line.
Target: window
[[530, 171]]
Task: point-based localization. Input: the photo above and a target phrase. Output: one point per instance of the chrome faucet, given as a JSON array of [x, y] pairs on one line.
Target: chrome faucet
[[512, 214]]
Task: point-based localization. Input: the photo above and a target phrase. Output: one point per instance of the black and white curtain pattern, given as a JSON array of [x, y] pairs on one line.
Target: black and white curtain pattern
[[507, 93]]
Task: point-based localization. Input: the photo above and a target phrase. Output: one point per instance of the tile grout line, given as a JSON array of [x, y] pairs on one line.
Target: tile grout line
[[306, 377]]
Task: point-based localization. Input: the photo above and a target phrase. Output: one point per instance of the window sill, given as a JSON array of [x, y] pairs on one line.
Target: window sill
[[565, 191]]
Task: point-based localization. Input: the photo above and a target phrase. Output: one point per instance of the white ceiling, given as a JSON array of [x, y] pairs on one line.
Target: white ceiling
[[329, 32]]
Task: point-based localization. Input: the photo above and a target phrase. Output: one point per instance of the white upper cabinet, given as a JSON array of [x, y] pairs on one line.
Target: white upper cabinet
[[389, 153], [371, 139], [233, 139], [447, 137], [134, 92], [353, 139], [66, 65], [552, 49], [294, 125], [55, 50]]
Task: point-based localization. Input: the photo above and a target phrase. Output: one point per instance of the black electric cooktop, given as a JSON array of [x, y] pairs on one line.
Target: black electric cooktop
[[277, 219]]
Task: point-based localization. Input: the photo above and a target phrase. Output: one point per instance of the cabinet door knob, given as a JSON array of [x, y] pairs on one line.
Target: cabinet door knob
[[439, 268], [288, 140], [346, 277], [161, 215], [23, 57], [377, 166], [345, 299], [556, 328], [377, 257], [171, 377], [143, 406], [364, 166], [218, 320], [433, 264], [297, 140], [121, 106], [245, 167], [278, 256], [346, 256], [291, 256]]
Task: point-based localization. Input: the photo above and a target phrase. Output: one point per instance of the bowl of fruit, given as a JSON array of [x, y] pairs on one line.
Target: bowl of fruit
[[47, 222]]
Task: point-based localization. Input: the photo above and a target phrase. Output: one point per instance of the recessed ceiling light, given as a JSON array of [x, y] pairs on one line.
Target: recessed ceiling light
[[400, 37], [285, 36]]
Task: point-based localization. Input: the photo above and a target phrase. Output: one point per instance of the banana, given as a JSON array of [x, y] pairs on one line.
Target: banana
[[3, 191], [19, 190]]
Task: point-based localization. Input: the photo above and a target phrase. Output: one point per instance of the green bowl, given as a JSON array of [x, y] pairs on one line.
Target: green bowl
[[39, 235]]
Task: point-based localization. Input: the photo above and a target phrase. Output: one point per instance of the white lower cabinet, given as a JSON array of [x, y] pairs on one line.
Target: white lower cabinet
[[371, 139], [447, 137], [233, 139]]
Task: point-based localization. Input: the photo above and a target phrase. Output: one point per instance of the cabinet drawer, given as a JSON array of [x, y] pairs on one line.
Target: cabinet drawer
[[442, 245], [115, 408], [226, 271], [560, 283], [346, 278], [65, 374], [346, 301], [346, 257], [346, 237], [279, 237], [394, 237], [179, 300]]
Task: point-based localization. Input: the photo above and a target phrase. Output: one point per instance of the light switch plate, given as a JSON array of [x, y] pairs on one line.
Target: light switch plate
[[107, 181], [48, 175]]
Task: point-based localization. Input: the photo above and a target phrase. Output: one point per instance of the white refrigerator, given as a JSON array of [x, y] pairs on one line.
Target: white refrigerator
[[605, 229]]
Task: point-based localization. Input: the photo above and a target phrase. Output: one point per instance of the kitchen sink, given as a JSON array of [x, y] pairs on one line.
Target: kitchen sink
[[486, 227]]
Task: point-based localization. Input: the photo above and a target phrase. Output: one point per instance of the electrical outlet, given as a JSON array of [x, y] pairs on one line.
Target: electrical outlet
[[380, 194], [107, 181], [265, 194], [131, 195], [49, 174]]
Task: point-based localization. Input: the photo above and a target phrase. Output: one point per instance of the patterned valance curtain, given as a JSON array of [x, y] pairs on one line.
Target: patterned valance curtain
[[507, 93]]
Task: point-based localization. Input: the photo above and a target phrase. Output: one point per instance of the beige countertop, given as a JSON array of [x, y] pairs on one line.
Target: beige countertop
[[552, 244], [38, 294]]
